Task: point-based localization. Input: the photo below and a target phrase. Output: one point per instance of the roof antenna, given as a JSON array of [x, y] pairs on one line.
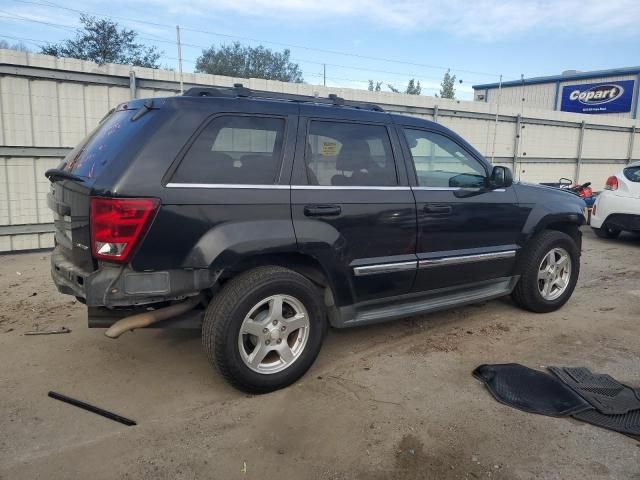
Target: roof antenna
[[241, 91]]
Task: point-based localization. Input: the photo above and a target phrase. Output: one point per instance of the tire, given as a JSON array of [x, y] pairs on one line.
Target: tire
[[251, 301], [606, 232], [527, 293]]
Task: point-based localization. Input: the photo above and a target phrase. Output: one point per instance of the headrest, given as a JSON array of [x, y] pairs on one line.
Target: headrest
[[354, 156]]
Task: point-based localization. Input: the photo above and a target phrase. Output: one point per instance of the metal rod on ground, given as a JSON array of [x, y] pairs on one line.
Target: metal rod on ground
[[92, 408], [495, 128], [179, 58]]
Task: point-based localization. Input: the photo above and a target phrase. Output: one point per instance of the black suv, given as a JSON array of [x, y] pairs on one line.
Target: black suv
[[263, 218]]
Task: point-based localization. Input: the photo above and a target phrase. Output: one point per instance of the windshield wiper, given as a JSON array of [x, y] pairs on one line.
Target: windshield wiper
[[56, 174]]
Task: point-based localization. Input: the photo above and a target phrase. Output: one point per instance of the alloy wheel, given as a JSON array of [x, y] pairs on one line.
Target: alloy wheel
[[273, 334]]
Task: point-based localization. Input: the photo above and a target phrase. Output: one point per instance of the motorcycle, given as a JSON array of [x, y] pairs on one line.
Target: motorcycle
[[583, 191]]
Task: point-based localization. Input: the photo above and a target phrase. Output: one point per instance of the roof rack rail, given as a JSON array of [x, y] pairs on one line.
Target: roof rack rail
[[238, 90]]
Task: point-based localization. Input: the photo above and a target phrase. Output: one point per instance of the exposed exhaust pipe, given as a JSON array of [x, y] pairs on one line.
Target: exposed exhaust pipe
[[145, 319]]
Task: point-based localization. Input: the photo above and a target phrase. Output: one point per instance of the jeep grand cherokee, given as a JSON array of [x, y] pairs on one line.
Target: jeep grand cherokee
[[263, 218]]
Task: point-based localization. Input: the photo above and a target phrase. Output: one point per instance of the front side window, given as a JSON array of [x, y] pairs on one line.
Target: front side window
[[442, 163], [235, 150], [349, 154]]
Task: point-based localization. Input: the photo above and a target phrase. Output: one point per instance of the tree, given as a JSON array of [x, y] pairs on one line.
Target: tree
[[237, 60], [374, 86], [413, 88], [102, 41], [14, 46], [447, 89]]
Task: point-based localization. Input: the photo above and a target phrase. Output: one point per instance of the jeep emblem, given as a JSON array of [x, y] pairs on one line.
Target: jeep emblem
[[597, 95]]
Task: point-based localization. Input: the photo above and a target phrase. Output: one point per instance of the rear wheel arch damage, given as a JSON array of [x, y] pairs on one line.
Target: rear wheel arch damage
[[305, 265]]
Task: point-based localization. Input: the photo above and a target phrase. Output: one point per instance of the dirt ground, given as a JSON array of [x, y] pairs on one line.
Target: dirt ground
[[395, 401]]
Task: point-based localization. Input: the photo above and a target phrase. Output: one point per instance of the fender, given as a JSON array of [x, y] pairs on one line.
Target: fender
[[229, 242], [226, 245], [547, 206]]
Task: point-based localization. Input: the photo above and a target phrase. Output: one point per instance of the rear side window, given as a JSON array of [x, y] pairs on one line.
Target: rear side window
[[102, 146], [633, 174], [349, 154], [234, 150]]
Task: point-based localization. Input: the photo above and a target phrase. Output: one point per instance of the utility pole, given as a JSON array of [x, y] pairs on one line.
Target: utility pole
[[179, 58], [495, 128], [324, 74]]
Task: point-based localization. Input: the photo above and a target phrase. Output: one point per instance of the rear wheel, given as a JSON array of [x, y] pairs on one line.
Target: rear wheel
[[606, 232], [550, 269], [264, 329]]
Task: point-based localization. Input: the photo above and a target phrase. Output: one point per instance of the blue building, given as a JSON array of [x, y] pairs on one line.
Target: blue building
[[612, 92]]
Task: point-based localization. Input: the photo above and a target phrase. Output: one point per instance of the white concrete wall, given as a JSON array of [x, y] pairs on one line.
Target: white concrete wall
[[57, 113]]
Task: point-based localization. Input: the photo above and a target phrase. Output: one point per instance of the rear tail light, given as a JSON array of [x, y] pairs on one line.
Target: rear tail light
[[118, 224], [612, 183]]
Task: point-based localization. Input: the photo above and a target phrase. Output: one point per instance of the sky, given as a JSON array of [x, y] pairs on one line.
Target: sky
[[358, 40]]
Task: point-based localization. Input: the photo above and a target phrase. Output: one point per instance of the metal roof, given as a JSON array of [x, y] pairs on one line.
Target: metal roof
[[612, 72]]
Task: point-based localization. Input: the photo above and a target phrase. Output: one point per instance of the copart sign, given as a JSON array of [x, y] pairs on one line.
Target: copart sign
[[605, 97]]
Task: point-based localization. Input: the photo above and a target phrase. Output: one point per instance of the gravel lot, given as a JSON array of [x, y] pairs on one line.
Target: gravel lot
[[393, 401]]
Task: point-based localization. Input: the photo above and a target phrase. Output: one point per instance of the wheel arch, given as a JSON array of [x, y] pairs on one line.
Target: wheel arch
[[304, 264]]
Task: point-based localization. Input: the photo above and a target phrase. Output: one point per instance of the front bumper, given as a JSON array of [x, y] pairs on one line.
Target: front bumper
[[120, 286]]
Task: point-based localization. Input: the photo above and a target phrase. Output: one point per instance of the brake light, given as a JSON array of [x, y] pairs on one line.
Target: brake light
[[612, 183], [118, 224]]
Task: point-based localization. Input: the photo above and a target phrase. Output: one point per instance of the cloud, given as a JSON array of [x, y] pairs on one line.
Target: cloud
[[479, 19]]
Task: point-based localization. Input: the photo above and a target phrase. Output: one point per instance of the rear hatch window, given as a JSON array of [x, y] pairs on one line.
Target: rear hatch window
[[94, 156], [633, 174], [97, 152]]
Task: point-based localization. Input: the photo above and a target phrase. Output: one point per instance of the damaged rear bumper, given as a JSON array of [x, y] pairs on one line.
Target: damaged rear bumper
[[115, 286]]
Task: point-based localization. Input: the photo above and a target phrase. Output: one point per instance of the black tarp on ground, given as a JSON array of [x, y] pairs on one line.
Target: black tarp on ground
[[603, 392], [593, 398], [530, 390]]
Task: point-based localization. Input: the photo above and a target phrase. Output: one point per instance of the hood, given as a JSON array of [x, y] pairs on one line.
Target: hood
[[536, 193]]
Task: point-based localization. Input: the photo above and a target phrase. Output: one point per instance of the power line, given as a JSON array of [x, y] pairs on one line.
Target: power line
[[171, 42], [219, 34], [354, 80]]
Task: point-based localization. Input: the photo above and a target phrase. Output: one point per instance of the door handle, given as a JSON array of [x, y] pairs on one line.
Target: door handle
[[322, 210], [439, 209]]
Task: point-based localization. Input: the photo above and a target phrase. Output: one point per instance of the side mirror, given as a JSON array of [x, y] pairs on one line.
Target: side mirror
[[501, 177]]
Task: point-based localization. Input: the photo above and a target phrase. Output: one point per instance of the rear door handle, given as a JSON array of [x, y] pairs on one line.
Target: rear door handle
[[439, 209], [322, 210]]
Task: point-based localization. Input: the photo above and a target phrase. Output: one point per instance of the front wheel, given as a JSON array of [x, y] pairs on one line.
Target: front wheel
[[264, 329], [550, 269]]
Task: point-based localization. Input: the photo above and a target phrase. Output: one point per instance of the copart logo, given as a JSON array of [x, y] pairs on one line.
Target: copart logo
[[598, 95]]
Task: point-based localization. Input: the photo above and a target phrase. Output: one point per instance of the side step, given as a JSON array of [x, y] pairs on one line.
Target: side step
[[433, 301]]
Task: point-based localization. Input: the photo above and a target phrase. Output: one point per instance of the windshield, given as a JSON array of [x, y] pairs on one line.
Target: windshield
[[98, 150]]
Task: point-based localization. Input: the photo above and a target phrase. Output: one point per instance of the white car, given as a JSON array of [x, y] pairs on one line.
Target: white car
[[617, 208]]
